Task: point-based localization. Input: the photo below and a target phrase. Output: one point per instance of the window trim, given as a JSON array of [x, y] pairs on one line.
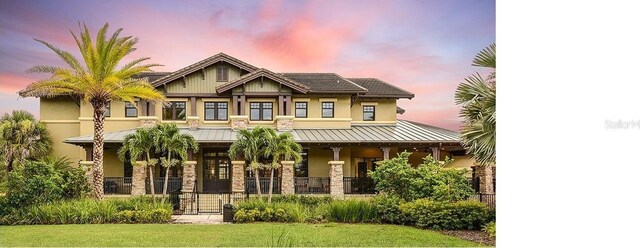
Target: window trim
[[306, 109], [260, 111], [174, 111], [215, 111], [364, 111], [126, 107], [333, 106]]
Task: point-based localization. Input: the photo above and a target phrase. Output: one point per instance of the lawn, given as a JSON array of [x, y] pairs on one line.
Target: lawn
[[260, 234]]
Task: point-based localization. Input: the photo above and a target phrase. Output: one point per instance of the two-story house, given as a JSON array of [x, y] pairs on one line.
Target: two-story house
[[344, 124]]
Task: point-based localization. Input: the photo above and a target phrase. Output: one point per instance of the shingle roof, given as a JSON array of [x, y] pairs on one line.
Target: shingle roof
[[379, 88], [325, 83], [220, 57], [403, 132], [151, 75], [399, 110]]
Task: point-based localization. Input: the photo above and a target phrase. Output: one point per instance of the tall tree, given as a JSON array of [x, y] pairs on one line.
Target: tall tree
[[21, 138], [141, 144], [251, 144], [280, 147], [477, 96], [170, 140], [98, 80]]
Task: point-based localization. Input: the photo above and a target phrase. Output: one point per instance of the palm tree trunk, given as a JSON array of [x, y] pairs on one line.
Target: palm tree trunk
[[8, 162], [271, 186], [98, 148], [153, 189], [166, 177], [258, 184]]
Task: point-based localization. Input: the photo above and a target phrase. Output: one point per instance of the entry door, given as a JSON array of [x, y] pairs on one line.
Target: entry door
[[362, 169], [216, 172]]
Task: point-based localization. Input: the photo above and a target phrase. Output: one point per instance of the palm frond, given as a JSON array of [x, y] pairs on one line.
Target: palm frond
[[486, 57]]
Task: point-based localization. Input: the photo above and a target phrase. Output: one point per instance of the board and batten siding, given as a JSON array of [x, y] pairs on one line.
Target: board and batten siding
[[195, 84]]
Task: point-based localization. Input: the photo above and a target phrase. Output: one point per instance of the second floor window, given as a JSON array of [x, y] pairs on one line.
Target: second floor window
[[174, 111], [222, 74], [130, 110], [369, 113], [327, 110], [261, 111], [301, 110], [215, 111], [107, 113]]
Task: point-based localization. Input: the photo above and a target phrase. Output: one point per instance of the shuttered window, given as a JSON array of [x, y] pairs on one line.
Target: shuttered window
[[222, 74]]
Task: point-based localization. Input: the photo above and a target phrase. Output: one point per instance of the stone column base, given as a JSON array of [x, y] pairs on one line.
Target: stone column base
[[485, 174], [239, 122], [138, 179], [189, 176], [193, 122], [287, 178], [237, 176], [148, 121], [336, 174]]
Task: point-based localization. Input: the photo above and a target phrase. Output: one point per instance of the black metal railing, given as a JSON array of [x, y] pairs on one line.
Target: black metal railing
[[250, 185], [312, 185], [489, 199], [117, 185], [174, 184], [359, 185], [195, 203]]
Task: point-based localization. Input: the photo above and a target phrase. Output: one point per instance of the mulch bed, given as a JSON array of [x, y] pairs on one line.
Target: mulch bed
[[475, 236]]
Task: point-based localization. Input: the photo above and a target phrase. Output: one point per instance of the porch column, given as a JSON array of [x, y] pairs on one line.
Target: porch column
[[189, 176], [243, 101], [237, 176], [287, 178], [336, 176], [435, 152], [281, 105], [87, 167], [336, 153], [385, 152], [485, 174], [138, 179]]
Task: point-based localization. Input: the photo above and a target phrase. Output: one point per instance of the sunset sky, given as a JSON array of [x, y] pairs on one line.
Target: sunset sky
[[425, 47]]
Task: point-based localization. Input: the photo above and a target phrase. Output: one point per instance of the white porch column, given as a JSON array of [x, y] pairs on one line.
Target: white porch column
[[435, 152], [385, 152]]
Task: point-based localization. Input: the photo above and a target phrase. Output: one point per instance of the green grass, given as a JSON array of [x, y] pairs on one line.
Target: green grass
[[258, 234]]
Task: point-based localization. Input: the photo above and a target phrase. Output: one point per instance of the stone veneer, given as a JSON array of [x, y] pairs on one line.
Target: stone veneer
[[336, 174], [287, 178], [284, 123], [87, 167], [237, 176], [485, 174], [189, 176], [239, 122], [193, 122], [138, 177], [148, 121]]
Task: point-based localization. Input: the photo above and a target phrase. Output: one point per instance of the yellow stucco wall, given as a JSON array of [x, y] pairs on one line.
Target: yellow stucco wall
[[61, 117], [341, 113], [319, 161], [385, 110]]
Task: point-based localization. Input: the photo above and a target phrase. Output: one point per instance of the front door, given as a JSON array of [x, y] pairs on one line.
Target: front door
[[216, 171]]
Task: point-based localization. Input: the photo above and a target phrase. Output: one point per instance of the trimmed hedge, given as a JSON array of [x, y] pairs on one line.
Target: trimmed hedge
[[89, 211], [462, 215]]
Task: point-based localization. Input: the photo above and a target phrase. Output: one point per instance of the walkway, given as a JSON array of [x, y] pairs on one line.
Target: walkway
[[197, 219]]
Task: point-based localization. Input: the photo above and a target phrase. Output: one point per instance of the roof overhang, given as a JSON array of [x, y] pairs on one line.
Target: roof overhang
[[220, 57]]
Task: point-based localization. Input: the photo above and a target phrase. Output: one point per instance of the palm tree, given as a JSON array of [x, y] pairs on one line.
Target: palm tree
[[22, 137], [140, 143], [96, 81], [280, 147], [251, 144], [170, 140], [478, 99]]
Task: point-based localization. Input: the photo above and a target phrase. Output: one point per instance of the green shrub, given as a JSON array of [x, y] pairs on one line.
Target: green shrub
[[352, 211], [388, 209], [303, 199], [89, 211], [490, 228], [462, 215], [429, 180], [40, 182], [259, 210]]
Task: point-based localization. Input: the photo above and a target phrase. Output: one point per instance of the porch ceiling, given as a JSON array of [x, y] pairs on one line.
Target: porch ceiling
[[404, 132]]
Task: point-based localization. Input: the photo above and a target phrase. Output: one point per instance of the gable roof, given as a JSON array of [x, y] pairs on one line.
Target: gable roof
[[151, 75], [379, 88], [263, 73], [326, 83], [220, 57]]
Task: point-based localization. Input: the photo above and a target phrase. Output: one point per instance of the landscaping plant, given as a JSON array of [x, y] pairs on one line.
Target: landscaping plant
[[278, 148], [250, 146], [141, 144], [170, 140], [22, 137], [462, 215]]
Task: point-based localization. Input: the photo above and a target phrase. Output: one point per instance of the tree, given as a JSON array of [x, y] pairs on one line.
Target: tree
[[169, 139], [280, 147], [250, 143], [22, 138], [141, 143], [96, 81], [477, 96]]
